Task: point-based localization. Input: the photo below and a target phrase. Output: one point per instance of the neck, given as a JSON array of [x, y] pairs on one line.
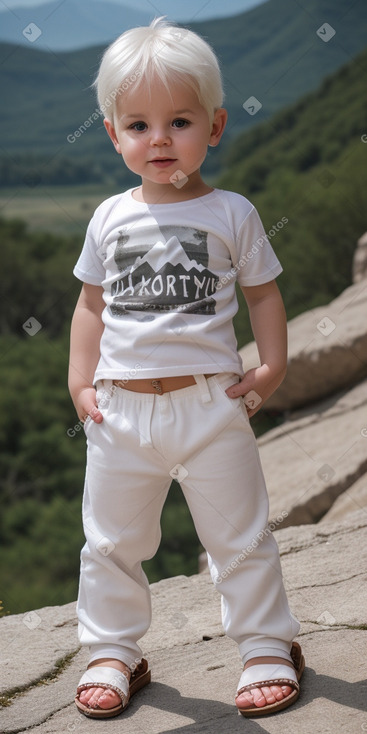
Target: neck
[[152, 193]]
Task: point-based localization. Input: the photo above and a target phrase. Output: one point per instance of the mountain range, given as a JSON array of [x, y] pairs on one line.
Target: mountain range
[[270, 56], [74, 24], [70, 25]]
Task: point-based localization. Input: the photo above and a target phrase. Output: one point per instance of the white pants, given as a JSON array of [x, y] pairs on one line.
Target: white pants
[[202, 438]]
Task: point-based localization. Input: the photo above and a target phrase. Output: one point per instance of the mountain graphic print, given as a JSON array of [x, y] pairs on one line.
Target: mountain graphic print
[[169, 275]]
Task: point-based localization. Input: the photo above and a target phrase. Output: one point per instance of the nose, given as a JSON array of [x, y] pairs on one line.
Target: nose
[[159, 137]]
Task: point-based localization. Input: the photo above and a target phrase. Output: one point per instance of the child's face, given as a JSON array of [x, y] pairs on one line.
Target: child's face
[[160, 132]]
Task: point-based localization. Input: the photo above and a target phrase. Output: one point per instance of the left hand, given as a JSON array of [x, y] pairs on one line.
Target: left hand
[[261, 382]]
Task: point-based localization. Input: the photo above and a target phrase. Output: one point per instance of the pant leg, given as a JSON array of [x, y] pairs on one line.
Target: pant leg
[[125, 489], [224, 487]]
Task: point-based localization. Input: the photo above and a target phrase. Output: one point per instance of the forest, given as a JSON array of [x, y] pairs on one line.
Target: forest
[[305, 167]]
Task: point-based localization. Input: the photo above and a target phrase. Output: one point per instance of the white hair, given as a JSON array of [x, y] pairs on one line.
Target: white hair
[[162, 50]]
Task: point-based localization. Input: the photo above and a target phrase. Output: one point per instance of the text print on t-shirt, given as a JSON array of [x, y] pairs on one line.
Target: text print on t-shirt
[[163, 269]]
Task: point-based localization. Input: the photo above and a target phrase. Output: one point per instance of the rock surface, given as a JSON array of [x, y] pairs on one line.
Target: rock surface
[[315, 463], [327, 351], [316, 456], [195, 668], [353, 497]]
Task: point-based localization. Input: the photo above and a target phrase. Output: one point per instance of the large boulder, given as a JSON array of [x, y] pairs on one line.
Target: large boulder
[[315, 457], [327, 351], [352, 499]]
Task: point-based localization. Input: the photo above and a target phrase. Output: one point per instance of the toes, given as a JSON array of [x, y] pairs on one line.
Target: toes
[[95, 694], [103, 698], [109, 699], [245, 700], [266, 696], [262, 696], [86, 695], [254, 697], [276, 692], [286, 690]]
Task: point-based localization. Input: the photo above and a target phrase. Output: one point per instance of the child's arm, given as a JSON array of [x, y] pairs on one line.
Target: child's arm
[[85, 336], [269, 326]]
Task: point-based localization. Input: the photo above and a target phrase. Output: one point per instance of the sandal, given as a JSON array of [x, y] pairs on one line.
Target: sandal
[[105, 677], [258, 676]]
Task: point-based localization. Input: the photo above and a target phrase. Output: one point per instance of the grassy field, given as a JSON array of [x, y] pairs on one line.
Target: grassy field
[[58, 209]]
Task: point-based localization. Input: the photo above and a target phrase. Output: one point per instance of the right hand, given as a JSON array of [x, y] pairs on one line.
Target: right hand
[[86, 404]]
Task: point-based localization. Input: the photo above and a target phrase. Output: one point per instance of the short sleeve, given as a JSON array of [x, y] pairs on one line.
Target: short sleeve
[[257, 262], [89, 267]]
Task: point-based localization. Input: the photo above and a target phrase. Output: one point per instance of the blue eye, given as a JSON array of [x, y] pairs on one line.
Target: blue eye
[[138, 126], [180, 123]]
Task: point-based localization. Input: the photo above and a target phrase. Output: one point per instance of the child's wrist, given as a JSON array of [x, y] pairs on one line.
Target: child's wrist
[[274, 371], [77, 390]]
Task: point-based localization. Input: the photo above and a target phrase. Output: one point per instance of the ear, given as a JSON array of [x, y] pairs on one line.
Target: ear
[[112, 134], [219, 123]]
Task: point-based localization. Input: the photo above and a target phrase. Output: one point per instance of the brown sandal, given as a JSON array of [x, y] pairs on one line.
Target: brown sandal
[[105, 677], [270, 675]]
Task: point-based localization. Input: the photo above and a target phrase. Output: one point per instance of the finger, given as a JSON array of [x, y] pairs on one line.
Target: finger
[[90, 411], [96, 415], [243, 386], [239, 388], [232, 391]]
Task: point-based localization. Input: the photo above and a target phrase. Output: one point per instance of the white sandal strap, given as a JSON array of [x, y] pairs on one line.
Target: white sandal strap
[[105, 677], [262, 674]]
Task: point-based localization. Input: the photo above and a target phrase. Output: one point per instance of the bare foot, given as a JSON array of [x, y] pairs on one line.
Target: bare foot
[[104, 698], [267, 694]]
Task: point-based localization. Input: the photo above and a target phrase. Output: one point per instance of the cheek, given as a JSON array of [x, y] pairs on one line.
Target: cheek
[[195, 141], [133, 149]]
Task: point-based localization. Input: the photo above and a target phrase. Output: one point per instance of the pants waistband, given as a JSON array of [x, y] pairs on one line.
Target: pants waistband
[[159, 386]]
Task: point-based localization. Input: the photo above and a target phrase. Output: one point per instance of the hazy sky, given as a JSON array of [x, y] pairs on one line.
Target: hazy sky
[[177, 10]]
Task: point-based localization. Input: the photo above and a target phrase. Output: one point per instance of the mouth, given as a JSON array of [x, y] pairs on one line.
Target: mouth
[[162, 162]]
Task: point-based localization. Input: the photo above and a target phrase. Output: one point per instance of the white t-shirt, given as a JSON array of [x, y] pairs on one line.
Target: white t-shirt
[[168, 272]]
